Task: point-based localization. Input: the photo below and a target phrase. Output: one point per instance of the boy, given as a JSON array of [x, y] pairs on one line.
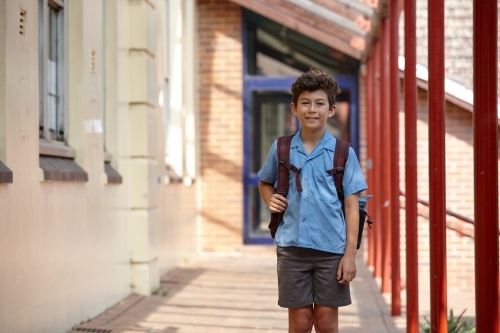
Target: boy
[[316, 246]]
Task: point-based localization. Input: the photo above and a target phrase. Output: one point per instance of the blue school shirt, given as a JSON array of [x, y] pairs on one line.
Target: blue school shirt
[[314, 218]]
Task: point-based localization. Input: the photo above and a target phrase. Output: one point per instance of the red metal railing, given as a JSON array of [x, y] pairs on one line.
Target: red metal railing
[[376, 158], [394, 158], [410, 93], [385, 158], [437, 168], [485, 120], [370, 133], [448, 212], [380, 74]]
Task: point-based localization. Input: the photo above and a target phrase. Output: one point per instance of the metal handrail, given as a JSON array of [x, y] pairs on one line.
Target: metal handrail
[[448, 212]]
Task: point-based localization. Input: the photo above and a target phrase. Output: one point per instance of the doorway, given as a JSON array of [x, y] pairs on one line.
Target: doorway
[[273, 58]]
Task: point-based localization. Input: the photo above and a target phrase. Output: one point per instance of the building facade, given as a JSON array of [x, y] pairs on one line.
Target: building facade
[[87, 203], [154, 117]]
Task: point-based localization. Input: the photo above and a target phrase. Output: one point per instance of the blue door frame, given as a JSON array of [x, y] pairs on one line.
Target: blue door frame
[[266, 83]]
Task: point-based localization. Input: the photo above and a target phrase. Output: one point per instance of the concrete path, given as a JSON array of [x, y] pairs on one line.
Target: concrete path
[[235, 294]]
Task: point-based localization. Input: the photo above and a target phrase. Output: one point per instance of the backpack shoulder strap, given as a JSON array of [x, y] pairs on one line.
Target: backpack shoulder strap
[[284, 166], [283, 157], [340, 157]]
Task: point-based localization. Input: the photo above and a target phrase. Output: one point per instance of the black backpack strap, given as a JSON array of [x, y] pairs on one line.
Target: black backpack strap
[[340, 157], [284, 166]]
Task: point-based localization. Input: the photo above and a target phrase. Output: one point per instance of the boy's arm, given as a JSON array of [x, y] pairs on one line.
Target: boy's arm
[[347, 267], [276, 203]]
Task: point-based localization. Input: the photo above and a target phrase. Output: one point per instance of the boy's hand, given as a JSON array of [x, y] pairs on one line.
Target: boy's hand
[[347, 269], [278, 203]]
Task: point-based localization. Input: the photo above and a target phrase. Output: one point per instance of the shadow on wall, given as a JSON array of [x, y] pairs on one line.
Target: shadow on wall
[[221, 165], [221, 223], [458, 121], [227, 91]]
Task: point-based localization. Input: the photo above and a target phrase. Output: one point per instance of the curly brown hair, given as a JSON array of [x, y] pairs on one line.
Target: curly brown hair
[[313, 80]]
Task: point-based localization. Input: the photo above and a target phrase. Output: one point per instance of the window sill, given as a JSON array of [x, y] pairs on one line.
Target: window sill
[[6, 176], [50, 148], [172, 177], [61, 169], [107, 157], [113, 177]]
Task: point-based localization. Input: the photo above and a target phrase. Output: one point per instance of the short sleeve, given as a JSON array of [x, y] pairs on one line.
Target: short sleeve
[[353, 180], [269, 171]]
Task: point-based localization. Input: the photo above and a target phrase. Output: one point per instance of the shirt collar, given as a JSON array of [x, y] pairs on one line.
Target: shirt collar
[[326, 142]]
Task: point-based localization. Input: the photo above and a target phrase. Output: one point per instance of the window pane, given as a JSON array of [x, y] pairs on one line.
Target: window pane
[[275, 50], [166, 108], [53, 33], [52, 115], [259, 214], [271, 118], [52, 78], [53, 105], [54, 49]]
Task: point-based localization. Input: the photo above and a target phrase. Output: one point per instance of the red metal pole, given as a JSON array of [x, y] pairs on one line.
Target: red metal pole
[[485, 120], [411, 166], [377, 203], [394, 157], [370, 116], [385, 166], [437, 174]]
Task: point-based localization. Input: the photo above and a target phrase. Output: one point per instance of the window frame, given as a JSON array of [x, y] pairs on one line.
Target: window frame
[[48, 145], [166, 77]]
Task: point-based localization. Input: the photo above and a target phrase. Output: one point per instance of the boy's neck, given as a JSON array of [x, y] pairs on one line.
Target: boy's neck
[[311, 139]]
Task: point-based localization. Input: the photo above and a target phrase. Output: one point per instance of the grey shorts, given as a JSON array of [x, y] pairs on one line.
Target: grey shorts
[[307, 276]]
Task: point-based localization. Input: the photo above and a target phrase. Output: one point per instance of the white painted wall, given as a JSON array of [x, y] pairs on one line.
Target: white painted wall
[[65, 249], [71, 250], [179, 202]]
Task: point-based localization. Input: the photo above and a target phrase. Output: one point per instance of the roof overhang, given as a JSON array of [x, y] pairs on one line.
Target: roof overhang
[[455, 92], [347, 26]]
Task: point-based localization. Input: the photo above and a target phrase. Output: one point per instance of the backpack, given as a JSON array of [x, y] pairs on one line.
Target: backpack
[[284, 167]]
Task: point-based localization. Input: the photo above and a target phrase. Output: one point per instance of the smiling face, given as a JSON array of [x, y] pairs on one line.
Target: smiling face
[[313, 110]]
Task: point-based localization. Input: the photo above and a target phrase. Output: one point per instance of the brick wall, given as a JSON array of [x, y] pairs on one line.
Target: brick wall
[[221, 124], [459, 156], [458, 39]]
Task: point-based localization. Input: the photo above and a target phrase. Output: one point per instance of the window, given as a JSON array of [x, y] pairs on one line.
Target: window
[[52, 70], [56, 159], [166, 88]]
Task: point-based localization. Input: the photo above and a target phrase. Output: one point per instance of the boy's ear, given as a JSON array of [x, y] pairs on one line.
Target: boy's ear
[[293, 108], [332, 111]]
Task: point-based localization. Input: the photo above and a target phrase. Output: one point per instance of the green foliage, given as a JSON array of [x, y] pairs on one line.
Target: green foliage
[[455, 324]]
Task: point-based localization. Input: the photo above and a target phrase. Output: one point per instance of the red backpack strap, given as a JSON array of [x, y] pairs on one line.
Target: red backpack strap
[[284, 166], [340, 157]]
